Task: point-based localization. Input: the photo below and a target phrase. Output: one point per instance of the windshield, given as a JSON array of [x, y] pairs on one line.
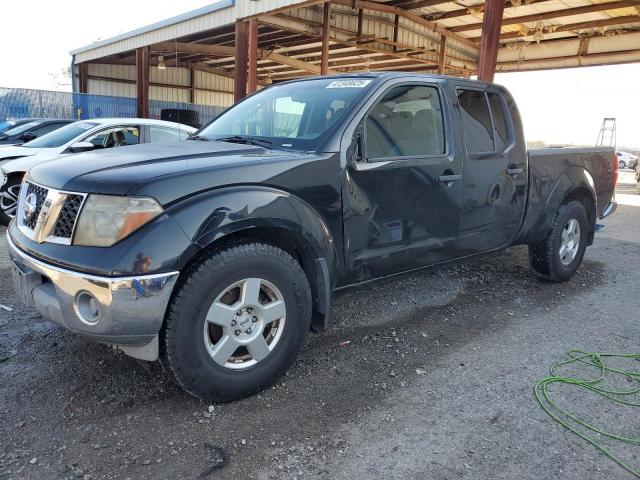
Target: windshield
[[59, 137], [24, 127], [295, 115]]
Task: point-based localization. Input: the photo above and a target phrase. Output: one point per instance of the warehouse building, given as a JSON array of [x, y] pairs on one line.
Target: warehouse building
[[219, 53]]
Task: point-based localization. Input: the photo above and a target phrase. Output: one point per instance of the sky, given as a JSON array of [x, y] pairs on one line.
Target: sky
[[557, 107]]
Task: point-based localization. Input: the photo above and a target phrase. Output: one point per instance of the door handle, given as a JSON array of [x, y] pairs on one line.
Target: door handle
[[514, 171], [449, 178]]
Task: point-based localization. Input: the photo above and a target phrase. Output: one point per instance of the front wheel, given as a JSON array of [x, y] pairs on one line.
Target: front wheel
[[558, 256], [621, 164], [237, 321], [9, 194]]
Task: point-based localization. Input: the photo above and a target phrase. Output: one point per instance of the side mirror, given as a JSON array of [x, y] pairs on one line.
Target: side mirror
[[81, 147], [28, 136]]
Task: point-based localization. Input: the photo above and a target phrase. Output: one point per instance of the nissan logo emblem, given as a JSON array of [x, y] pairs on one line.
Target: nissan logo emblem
[[30, 204]]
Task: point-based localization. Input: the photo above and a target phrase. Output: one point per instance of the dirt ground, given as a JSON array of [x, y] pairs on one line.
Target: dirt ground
[[435, 382]]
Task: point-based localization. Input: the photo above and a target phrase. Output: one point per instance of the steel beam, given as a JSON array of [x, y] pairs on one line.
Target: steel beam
[[195, 48], [241, 59], [491, 25], [142, 82], [442, 55], [83, 77], [567, 12], [326, 21], [252, 70], [434, 27]]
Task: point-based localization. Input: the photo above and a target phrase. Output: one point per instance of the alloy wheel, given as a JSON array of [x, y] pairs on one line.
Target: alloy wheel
[[245, 323], [9, 200], [570, 242]]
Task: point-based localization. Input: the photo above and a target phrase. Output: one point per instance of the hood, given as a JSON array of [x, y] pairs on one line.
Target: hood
[[11, 151], [26, 158], [141, 169]]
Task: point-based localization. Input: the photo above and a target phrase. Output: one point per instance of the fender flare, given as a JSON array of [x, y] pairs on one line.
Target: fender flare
[[210, 217], [576, 178]]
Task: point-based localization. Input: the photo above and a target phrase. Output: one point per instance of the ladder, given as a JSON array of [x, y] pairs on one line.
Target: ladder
[[607, 135]]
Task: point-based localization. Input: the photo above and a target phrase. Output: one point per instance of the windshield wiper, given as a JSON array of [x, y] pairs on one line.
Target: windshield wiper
[[198, 137], [260, 142]]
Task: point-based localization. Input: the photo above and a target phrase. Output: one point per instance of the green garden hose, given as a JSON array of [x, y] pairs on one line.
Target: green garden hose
[[564, 418]]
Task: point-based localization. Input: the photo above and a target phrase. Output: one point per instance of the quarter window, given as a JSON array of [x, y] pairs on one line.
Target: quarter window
[[476, 121], [406, 122], [163, 134]]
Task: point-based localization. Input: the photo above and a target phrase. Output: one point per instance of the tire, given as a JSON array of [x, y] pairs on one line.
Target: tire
[[9, 199], [193, 334], [621, 164], [545, 257]]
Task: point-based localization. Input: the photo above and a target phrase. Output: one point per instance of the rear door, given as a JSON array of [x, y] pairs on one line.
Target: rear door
[[494, 191], [402, 197]]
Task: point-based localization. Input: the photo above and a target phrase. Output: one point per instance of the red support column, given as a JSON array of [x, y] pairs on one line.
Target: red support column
[[252, 71], [326, 19], [142, 82], [442, 55], [491, 25], [242, 50], [83, 77]]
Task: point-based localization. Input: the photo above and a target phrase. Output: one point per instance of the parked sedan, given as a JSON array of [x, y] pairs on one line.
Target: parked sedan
[[77, 137], [7, 124], [24, 132]]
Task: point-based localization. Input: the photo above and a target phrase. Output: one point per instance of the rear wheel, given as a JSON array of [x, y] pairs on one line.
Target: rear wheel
[[621, 164], [9, 193], [237, 321], [558, 256]]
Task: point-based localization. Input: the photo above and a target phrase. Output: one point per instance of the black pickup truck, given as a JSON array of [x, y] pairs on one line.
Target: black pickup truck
[[217, 255]]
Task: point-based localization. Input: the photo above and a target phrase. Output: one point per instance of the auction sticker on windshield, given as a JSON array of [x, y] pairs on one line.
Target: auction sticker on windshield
[[349, 84]]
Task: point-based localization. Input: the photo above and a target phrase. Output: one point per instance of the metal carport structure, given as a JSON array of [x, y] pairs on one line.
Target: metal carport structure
[[221, 52]]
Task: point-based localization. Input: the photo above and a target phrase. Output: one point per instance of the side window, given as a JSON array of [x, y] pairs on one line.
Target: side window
[[163, 134], [47, 128], [476, 121], [500, 130], [406, 122], [115, 137]]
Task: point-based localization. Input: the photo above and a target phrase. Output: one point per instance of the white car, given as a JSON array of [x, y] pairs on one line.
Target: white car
[[627, 160], [81, 136]]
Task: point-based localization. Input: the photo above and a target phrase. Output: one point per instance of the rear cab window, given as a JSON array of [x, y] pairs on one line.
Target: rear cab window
[[484, 121]]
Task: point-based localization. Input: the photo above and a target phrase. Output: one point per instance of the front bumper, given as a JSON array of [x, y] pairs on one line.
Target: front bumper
[[124, 311]]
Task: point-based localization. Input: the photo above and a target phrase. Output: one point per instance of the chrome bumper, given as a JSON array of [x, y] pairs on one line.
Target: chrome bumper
[[609, 209], [124, 311]]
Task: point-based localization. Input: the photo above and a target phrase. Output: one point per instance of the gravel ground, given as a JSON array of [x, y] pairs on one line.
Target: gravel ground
[[426, 376]]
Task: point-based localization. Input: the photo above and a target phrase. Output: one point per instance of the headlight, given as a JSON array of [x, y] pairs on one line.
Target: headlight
[[105, 220]]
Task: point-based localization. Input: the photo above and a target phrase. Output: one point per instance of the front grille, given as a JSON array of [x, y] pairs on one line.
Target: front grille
[[41, 195], [58, 217], [68, 215]]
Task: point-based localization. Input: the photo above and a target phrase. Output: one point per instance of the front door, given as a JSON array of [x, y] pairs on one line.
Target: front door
[[495, 176], [402, 198]]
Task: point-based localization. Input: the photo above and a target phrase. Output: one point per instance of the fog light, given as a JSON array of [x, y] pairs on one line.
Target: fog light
[[87, 308]]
